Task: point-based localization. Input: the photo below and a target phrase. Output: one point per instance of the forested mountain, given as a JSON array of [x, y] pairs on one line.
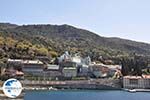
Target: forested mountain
[[31, 40]]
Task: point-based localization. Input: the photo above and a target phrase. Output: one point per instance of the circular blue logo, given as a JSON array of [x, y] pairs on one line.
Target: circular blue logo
[[12, 88]]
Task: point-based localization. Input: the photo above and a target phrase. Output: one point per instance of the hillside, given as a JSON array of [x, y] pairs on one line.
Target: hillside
[[55, 39]]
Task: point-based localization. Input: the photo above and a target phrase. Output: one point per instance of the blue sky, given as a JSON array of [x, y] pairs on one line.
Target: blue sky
[[129, 19]]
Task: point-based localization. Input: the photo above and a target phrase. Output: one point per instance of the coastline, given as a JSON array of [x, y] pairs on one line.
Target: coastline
[[106, 84], [70, 85], [42, 89]]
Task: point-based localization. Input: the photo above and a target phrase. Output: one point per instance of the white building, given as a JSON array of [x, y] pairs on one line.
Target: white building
[[87, 61], [136, 82], [64, 57], [76, 59]]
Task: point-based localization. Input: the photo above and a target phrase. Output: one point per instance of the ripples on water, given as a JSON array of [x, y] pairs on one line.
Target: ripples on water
[[86, 95]]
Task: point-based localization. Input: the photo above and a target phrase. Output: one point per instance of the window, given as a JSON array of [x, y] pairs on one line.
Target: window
[[133, 81]]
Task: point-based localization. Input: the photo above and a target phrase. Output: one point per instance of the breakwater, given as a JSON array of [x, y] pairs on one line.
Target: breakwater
[[76, 84]]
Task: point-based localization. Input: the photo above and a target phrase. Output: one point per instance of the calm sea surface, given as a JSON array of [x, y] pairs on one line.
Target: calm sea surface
[[86, 95]]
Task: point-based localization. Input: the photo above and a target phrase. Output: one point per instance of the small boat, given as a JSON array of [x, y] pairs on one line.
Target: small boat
[[132, 90], [51, 88]]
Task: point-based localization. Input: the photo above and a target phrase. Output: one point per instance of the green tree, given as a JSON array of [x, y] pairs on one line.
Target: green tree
[[53, 54]]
